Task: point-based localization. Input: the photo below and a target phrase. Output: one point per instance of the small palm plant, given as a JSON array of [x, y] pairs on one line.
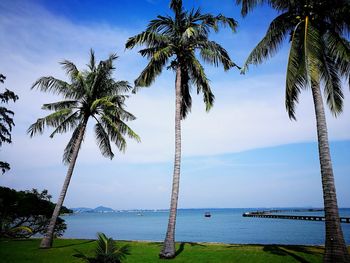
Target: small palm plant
[[91, 94], [107, 251]]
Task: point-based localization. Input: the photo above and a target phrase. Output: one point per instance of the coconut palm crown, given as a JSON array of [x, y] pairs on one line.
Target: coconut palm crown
[[174, 42], [319, 50], [319, 56], [90, 94]]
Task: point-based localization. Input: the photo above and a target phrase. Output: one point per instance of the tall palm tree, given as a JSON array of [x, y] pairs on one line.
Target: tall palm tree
[[174, 41], [91, 94], [319, 56]]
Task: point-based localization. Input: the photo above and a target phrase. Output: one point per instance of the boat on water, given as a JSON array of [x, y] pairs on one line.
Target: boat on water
[[207, 214]]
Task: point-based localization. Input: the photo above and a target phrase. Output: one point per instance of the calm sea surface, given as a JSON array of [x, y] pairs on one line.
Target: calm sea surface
[[224, 225]]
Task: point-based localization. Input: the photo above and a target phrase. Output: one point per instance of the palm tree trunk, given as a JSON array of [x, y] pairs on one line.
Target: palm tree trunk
[[336, 250], [168, 250], [47, 240]]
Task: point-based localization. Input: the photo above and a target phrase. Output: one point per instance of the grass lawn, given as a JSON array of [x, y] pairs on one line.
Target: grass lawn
[[63, 250]]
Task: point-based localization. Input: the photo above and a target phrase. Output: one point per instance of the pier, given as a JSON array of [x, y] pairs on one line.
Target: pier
[[270, 214]]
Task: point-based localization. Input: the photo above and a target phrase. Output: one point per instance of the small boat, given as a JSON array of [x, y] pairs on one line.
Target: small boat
[[207, 214]]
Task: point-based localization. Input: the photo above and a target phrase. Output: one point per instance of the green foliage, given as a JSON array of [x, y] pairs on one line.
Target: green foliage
[[25, 213], [174, 42], [90, 94], [319, 51], [107, 251], [6, 121]]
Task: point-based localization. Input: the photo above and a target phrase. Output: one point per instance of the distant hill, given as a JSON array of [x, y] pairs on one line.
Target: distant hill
[[82, 210], [103, 209], [99, 209]]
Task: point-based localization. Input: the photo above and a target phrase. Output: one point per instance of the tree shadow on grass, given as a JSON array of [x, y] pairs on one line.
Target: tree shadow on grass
[[289, 251], [74, 244], [182, 247]]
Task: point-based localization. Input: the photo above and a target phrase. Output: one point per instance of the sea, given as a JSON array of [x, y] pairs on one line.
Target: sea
[[224, 226]]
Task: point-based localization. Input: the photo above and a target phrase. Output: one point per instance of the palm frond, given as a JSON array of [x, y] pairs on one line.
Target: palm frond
[[215, 54], [104, 103], [332, 85], [153, 69], [200, 79], [271, 42], [116, 128], [68, 151], [161, 25], [68, 123], [56, 86], [71, 69], [122, 114], [92, 62], [296, 78], [52, 120], [114, 132], [147, 37], [248, 5], [176, 6], [120, 87], [339, 48], [103, 141], [186, 99], [227, 21], [55, 106]]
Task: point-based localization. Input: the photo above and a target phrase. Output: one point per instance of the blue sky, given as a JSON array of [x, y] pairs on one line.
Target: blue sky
[[244, 153]]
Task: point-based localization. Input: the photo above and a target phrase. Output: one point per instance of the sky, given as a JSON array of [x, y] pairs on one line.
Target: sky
[[244, 153]]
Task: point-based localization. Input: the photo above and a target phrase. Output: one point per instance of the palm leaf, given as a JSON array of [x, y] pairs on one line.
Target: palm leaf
[[151, 71], [66, 104], [215, 54], [147, 37], [296, 77], [68, 123], [271, 42], [68, 151], [56, 86], [332, 84], [52, 120], [248, 5], [92, 62], [71, 69], [103, 141], [200, 79]]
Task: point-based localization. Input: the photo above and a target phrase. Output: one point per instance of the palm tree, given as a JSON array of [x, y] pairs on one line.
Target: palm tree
[[174, 41], [319, 56], [91, 94]]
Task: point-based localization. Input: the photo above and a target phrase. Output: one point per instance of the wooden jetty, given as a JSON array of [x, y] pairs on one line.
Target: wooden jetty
[[269, 214]]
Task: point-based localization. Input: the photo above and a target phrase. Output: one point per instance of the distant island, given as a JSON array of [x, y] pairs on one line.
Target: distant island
[[99, 209], [104, 209]]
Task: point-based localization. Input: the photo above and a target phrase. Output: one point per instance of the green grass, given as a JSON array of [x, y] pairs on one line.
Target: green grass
[[64, 249]]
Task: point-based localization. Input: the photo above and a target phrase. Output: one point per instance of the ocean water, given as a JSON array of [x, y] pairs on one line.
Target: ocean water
[[224, 225]]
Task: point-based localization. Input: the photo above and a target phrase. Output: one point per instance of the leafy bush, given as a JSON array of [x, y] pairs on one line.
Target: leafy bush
[[26, 213]]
